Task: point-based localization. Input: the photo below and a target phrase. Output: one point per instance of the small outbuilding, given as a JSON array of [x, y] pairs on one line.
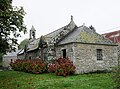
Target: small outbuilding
[[11, 56]]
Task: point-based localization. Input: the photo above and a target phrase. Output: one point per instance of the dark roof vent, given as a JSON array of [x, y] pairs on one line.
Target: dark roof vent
[[92, 28]]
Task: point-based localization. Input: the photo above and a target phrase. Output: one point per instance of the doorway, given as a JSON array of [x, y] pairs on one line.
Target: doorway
[[64, 53]]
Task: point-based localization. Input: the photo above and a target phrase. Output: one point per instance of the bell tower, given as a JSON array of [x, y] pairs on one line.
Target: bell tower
[[32, 33]]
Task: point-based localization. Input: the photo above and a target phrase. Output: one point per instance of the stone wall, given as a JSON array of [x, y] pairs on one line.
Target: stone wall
[[84, 56], [69, 51], [34, 54]]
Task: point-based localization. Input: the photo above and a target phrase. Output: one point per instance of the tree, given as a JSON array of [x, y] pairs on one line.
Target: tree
[[11, 25], [23, 44]]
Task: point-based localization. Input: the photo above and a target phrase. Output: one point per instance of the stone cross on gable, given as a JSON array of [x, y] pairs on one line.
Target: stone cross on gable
[[71, 18]]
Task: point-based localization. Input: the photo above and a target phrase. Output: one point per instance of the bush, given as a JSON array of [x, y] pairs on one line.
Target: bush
[[62, 67], [31, 66], [51, 67]]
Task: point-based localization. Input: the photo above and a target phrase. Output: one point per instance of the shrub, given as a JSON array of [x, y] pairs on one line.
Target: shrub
[[62, 67], [31, 66], [51, 67], [39, 67]]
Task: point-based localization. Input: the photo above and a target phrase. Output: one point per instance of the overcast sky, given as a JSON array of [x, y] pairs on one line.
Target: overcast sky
[[49, 15]]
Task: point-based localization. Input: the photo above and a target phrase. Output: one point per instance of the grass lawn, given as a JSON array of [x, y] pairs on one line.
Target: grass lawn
[[21, 80]]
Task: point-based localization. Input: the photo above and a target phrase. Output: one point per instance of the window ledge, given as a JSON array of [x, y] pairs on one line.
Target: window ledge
[[99, 61]]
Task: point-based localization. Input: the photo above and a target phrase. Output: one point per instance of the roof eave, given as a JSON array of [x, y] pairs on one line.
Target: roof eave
[[87, 43]]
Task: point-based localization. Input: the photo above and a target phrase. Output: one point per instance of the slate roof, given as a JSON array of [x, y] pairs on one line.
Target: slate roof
[[113, 36], [51, 37], [33, 29], [33, 44], [84, 34], [71, 33], [54, 36]]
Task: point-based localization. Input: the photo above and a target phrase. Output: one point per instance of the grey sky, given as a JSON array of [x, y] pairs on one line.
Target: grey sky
[[49, 15]]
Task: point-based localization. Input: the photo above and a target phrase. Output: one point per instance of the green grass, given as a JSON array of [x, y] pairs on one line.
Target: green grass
[[21, 80]]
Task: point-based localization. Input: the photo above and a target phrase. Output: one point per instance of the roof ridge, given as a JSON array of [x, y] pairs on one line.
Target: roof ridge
[[55, 30], [63, 26]]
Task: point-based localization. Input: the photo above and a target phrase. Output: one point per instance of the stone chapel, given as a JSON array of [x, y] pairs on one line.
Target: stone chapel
[[88, 50]]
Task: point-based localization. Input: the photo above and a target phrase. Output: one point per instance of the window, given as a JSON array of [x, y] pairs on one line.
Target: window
[[99, 54], [64, 53]]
